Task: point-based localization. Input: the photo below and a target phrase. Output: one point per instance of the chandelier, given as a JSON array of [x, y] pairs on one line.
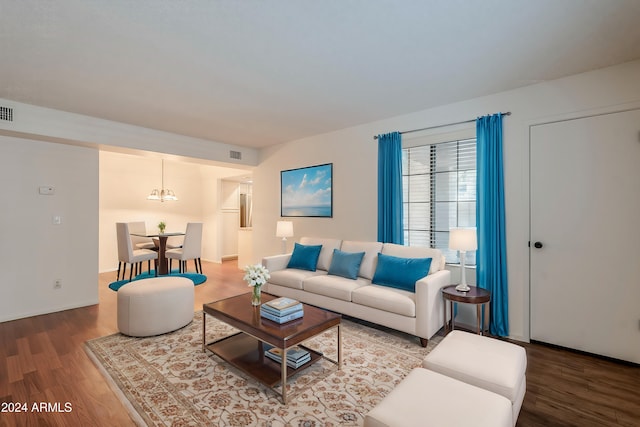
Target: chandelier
[[164, 193]]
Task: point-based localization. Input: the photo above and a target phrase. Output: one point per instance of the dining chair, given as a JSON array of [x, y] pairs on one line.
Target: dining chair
[[191, 248], [128, 255], [139, 242], [175, 242]]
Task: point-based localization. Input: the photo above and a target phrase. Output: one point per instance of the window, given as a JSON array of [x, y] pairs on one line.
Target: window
[[439, 193]]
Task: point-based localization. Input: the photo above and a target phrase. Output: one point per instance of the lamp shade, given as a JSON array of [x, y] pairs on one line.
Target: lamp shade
[[284, 229], [463, 239]]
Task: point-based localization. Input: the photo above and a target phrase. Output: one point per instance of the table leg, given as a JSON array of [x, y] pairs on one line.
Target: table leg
[[487, 317], [261, 351], [479, 324], [339, 348], [283, 375], [163, 267], [453, 316], [444, 312], [204, 331]]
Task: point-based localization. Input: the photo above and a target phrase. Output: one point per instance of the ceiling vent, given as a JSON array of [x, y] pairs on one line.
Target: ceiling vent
[[235, 155], [6, 114]]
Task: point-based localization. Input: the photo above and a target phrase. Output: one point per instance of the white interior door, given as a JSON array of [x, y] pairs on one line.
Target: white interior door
[[585, 212]]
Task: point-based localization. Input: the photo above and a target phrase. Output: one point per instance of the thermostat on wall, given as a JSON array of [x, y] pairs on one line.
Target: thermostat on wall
[[47, 190]]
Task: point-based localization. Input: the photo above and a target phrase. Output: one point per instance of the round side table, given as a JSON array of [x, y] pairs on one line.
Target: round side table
[[475, 295]]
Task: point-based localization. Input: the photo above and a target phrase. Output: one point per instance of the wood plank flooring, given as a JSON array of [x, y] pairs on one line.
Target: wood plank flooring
[[42, 360]]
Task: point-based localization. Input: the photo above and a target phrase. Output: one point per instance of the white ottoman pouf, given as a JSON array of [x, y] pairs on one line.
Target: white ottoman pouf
[[488, 363], [427, 398], [155, 306]]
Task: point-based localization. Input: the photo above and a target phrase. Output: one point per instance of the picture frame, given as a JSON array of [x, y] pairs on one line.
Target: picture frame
[[307, 191]]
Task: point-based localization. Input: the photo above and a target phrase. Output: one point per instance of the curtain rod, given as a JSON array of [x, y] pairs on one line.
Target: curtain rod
[[508, 113]]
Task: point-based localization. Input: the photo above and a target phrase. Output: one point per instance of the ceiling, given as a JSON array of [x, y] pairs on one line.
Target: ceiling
[[261, 72]]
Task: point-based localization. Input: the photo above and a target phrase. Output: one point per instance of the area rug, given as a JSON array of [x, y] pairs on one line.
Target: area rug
[[196, 278], [168, 381]]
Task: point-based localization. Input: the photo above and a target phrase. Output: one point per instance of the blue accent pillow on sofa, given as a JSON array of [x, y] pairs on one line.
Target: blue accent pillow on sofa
[[346, 264], [305, 257], [400, 273]]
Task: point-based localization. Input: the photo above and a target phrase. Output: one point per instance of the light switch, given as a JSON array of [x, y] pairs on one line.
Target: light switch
[[47, 190], [57, 220]]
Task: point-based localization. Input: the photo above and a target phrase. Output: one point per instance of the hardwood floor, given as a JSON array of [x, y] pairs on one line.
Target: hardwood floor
[[565, 388], [42, 360]]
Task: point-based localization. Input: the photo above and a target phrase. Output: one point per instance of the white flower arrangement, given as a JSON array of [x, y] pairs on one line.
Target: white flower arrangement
[[256, 275]]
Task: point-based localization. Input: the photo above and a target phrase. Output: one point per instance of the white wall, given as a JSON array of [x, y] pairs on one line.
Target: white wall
[[33, 251], [353, 153], [71, 253], [41, 123], [126, 181]]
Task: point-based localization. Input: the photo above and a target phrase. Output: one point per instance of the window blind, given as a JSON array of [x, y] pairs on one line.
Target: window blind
[[439, 193]]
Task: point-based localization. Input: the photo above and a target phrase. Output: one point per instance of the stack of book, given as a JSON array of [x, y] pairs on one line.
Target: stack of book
[[281, 310], [296, 356]]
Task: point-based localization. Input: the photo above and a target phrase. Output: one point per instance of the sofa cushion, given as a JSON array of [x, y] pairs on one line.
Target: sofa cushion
[[386, 299], [402, 251], [328, 245], [345, 264], [401, 273], [370, 249], [333, 286], [305, 257], [293, 277]]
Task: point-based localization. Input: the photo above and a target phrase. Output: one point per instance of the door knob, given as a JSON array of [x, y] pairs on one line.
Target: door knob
[[537, 245]]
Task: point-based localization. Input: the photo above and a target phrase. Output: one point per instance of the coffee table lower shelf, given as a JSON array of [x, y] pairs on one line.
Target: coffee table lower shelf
[[247, 354]]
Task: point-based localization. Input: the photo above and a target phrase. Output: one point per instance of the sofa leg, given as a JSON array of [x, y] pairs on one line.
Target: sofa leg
[[423, 342]]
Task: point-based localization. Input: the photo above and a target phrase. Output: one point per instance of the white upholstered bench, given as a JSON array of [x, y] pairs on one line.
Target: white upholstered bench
[[467, 380], [488, 363], [155, 306], [427, 398]]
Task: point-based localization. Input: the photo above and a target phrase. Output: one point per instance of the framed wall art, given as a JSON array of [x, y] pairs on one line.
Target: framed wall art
[[307, 192]]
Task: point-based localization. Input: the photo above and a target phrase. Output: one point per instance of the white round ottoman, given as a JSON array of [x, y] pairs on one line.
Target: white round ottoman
[[155, 306]]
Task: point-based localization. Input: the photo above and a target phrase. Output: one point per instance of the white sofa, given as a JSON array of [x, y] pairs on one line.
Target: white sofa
[[419, 313]]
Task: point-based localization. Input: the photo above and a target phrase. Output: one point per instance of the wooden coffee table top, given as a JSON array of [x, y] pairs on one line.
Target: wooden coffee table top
[[238, 312]]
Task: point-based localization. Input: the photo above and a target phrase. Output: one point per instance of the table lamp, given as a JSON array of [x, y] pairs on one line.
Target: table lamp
[[463, 240], [284, 229]]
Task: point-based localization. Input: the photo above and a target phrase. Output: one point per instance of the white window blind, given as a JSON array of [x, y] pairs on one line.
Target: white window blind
[[439, 193]]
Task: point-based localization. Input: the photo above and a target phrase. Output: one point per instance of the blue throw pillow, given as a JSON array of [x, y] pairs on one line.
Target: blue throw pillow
[[400, 273], [346, 264], [305, 257]]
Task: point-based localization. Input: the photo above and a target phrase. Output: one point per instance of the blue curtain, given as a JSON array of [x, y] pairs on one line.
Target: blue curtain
[[491, 269], [390, 226]]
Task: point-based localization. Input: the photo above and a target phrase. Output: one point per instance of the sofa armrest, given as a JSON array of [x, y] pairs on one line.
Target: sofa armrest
[[276, 262], [429, 304]]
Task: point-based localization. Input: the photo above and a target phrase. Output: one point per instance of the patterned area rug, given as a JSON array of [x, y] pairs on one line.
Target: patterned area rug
[[168, 381]]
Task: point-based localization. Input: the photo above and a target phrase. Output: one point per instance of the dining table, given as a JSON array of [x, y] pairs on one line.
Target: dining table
[[163, 264]]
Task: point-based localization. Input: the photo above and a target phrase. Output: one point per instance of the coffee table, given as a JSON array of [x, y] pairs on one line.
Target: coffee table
[[245, 349]]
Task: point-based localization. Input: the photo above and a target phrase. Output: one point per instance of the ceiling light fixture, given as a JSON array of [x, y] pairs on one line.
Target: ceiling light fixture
[[162, 194]]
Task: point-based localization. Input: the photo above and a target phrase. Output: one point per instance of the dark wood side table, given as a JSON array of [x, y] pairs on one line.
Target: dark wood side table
[[475, 295]]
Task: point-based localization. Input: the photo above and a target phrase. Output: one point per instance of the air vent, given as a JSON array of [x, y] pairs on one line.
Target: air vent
[[6, 114], [235, 155]]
